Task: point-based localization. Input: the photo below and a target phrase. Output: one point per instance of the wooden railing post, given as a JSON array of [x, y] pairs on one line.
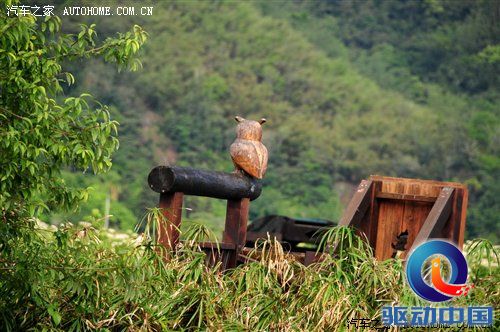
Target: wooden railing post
[[171, 209], [172, 183], [236, 227]]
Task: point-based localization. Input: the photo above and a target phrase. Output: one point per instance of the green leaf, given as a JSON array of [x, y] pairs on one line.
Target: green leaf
[[56, 316]]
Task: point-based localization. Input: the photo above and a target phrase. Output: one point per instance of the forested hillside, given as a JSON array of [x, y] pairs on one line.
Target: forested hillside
[[349, 89]]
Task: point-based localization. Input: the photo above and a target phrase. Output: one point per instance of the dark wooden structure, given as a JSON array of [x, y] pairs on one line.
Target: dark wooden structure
[[172, 183], [291, 232], [397, 214]]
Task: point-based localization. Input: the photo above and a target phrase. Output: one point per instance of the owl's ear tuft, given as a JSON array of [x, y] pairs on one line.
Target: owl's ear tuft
[[238, 118], [262, 121]]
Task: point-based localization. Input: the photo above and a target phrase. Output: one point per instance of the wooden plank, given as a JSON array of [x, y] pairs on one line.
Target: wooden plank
[[415, 214], [406, 197], [236, 226], [358, 205], [462, 210], [372, 218], [421, 182], [219, 245], [449, 226], [171, 209], [454, 229], [437, 217], [390, 217]]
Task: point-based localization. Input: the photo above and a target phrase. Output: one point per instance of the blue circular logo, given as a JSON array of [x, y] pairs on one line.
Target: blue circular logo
[[438, 290]]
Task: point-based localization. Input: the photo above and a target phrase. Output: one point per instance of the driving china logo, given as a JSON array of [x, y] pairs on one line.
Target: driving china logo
[[436, 253], [437, 272]]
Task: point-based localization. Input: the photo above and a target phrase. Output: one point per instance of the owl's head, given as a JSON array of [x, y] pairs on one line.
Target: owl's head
[[249, 129]]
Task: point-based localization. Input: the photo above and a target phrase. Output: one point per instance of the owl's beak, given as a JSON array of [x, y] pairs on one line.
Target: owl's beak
[[262, 121], [238, 118]]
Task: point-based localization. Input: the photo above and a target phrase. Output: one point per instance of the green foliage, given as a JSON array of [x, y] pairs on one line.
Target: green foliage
[[439, 40], [439, 54], [100, 189], [43, 131], [76, 278]]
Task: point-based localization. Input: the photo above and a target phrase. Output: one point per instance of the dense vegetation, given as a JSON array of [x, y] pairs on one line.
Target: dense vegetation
[[345, 98], [80, 278]]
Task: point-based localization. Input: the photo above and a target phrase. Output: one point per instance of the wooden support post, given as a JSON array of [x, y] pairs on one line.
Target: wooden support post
[[460, 215], [437, 218], [373, 217], [236, 227], [171, 209], [358, 205], [357, 208]]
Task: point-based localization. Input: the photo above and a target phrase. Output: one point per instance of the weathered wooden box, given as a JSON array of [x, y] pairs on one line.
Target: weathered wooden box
[[397, 213]]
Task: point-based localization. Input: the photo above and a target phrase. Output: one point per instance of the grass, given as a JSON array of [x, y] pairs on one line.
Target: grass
[[79, 278]]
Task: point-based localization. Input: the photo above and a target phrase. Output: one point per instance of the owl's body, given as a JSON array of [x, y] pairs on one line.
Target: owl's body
[[247, 151]]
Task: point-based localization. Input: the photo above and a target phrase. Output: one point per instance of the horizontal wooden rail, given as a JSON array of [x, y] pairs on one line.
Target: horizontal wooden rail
[[190, 181], [406, 197]]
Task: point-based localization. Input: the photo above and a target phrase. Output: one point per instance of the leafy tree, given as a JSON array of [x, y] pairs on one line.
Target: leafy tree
[[41, 129], [42, 132]]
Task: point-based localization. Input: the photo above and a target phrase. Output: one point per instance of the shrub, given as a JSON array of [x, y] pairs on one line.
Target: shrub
[[80, 278]]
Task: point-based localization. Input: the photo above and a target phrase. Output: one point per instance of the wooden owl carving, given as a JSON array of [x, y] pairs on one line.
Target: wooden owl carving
[[247, 151]]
